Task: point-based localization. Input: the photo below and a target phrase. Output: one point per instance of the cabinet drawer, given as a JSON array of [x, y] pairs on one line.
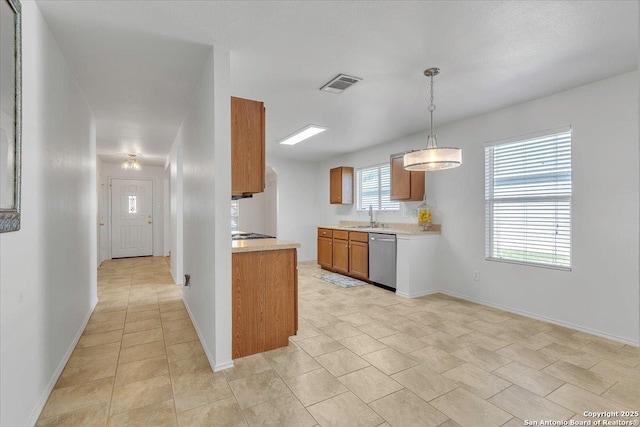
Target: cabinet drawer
[[359, 236], [325, 232], [341, 234]]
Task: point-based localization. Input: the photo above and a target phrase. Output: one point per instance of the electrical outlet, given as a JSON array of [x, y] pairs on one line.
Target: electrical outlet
[[414, 213], [476, 275], [405, 213]]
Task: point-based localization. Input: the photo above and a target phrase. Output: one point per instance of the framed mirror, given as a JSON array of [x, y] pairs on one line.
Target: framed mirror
[[10, 115]]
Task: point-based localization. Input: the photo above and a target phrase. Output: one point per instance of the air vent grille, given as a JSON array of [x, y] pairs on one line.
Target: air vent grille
[[340, 83]]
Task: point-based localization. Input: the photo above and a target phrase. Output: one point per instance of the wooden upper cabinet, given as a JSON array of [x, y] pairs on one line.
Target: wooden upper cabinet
[[405, 185], [247, 146], [341, 185]]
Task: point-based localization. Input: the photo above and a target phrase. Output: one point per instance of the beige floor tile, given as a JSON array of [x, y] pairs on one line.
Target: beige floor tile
[[284, 411], [140, 394], [142, 337], [344, 410], [485, 341], [320, 344], [529, 340], [414, 329], [390, 361], [577, 399], [403, 343], [142, 325], [341, 330], [176, 325], [424, 382], [174, 315], [171, 306], [73, 398], [157, 415], [97, 327], [112, 316], [79, 371], [444, 342], [315, 386], [92, 416], [101, 338], [404, 408], [576, 375], [514, 422], [369, 384], [491, 316], [532, 358], [258, 388], [362, 344], [477, 380], [306, 330], [467, 409], [223, 413], [576, 357], [626, 392], [246, 366], [142, 369], [613, 371], [290, 364], [451, 328], [192, 390], [143, 315], [142, 351], [186, 350], [482, 358], [625, 355], [196, 365], [181, 336], [341, 362], [356, 319], [529, 378], [436, 359], [377, 330], [489, 328], [528, 406]]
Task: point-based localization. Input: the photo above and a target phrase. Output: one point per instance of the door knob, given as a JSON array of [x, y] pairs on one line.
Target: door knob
[[149, 222]]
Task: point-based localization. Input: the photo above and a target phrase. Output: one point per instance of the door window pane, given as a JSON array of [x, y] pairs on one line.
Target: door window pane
[[132, 204]]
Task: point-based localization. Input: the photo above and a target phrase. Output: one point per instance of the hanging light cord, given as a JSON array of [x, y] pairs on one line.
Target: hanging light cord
[[432, 107]]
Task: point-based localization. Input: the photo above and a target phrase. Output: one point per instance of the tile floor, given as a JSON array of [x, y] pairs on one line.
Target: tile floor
[[362, 357]]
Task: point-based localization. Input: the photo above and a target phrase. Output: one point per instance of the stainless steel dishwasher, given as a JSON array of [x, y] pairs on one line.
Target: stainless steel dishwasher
[[382, 259]]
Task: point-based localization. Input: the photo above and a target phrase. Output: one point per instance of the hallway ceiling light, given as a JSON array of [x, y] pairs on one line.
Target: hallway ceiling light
[[433, 157], [131, 162], [304, 133]]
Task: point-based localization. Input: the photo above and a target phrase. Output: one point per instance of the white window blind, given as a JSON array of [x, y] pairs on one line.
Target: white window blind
[[528, 200], [235, 212], [373, 187]]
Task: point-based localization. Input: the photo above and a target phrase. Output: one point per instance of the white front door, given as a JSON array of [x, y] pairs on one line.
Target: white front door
[[131, 218]]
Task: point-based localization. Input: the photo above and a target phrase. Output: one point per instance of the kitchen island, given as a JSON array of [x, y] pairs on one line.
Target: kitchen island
[[264, 295]]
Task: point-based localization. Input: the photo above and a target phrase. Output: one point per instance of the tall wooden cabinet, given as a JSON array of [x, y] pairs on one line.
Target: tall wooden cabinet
[[406, 185], [341, 185], [247, 146]]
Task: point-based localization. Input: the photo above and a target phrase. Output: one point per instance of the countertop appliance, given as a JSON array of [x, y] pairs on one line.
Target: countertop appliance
[[382, 259], [241, 235]]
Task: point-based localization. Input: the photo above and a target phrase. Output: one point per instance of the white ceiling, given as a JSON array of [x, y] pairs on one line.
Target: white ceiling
[[137, 62]]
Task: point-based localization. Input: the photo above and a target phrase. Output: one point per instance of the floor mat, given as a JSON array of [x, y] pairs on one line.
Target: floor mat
[[340, 280]]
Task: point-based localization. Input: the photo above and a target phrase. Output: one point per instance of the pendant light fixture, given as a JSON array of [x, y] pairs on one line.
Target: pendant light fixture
[[131, 162], [433, 157]]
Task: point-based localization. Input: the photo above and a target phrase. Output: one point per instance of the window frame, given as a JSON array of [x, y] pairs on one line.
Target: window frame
[[381, 202], [491, 201]]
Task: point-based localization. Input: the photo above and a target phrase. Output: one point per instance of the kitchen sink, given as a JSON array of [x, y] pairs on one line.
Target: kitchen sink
[[355, 226]]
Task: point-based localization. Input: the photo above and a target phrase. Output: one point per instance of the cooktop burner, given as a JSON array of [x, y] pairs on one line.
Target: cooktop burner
[[247, 236]]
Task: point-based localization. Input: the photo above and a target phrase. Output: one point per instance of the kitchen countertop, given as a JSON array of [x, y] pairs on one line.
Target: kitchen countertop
[[406, 230], [255, 245]]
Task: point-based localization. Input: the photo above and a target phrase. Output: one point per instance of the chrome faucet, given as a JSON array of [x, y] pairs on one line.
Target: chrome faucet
[[371, 223]]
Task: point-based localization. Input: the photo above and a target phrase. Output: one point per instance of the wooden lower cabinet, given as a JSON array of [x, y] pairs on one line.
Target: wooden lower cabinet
[[359, 260], [264, 300], [325, 252], [346, 253], [341, 256]]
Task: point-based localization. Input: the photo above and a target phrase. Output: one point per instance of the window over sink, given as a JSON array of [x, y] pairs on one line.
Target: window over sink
[[373, 188], [235, 208]]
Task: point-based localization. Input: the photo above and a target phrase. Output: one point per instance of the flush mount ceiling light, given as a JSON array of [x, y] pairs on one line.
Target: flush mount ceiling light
[[131, 162], [304, 133], [433, 157]]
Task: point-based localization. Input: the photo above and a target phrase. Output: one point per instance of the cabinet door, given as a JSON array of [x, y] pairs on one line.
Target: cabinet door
[[341, 256], [247, 146], [359, 259], [248, 311], [325, 252], [400, 179], [279, 297], [335, 186]]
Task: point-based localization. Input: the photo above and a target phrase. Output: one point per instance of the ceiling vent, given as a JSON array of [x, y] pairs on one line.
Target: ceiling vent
[[340, 83]]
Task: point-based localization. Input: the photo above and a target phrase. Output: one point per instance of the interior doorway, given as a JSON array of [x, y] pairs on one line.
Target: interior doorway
[[131, 218]]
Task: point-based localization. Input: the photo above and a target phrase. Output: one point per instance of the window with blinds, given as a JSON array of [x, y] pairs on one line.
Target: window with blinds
[[373, 187], [528, 200], [235, 214]]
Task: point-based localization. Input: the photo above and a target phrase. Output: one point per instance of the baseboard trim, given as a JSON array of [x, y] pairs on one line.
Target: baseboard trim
[[56, 375], [545, 319], [212, 362], [417, 294]]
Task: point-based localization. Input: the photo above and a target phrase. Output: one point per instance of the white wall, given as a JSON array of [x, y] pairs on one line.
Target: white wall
[[259, 214], [298, 203], [152, 173], [601, 293], [48, 268], [176, 195], [206, 149]]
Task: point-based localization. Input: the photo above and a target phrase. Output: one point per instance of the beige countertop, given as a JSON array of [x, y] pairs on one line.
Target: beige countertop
[[399, 229], [255, 245]]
